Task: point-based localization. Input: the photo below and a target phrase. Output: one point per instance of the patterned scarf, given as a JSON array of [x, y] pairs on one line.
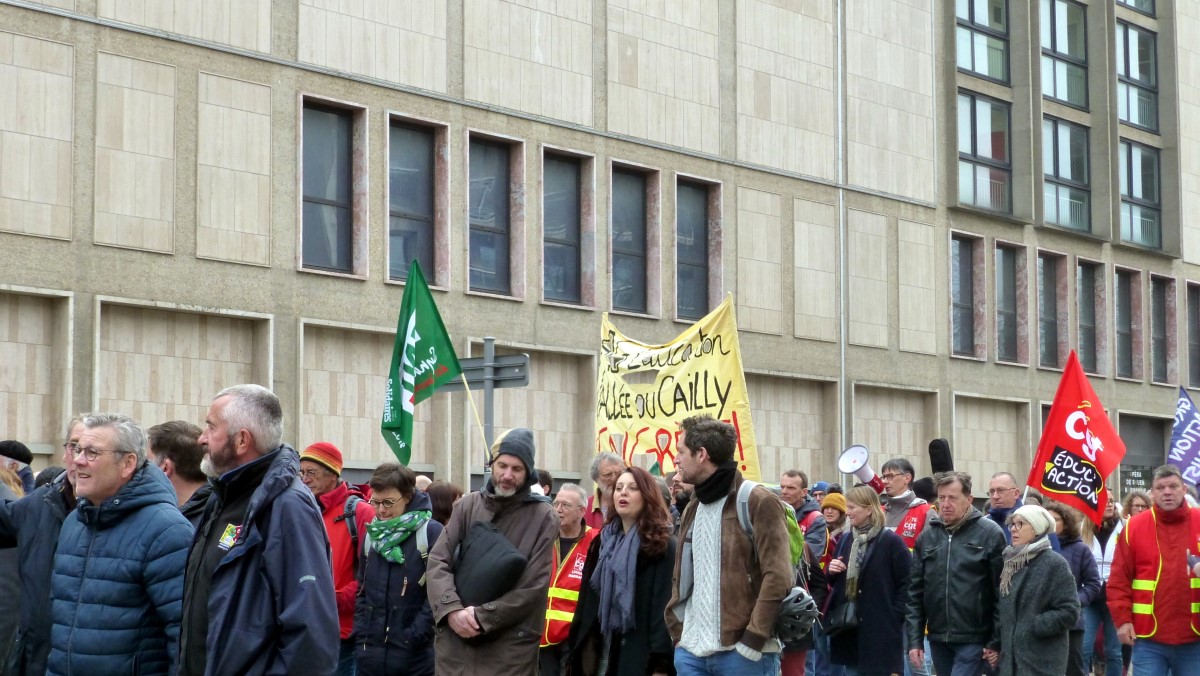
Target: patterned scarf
[[387, 536], [858, 552], [1015, 559]]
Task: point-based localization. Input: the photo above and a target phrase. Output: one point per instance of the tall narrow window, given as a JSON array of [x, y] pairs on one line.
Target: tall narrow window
[[982, 36], [1086, 291], [1140, 196], [411, 199], [1047, 281], [1065, 163], [1123, 309], [984, 166], [490, 216], [691, 236], [1137, 76], [1006, 303], [562, 222], [328, 197], [1160, 357], [1193, 320], [629, 241], [1064, 52], [962, 290]]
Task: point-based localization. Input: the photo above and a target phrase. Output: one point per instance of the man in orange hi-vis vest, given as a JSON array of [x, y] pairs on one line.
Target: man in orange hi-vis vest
[[570, 553], [1154, 583]]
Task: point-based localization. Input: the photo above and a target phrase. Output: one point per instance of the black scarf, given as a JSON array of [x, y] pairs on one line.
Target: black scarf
[[718, 484]]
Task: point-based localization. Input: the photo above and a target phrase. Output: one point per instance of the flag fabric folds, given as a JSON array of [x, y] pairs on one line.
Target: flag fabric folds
[[423, 359], [1079, 448], [1185, 439]]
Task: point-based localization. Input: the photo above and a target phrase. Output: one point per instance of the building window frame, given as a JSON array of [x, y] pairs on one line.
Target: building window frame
[[1133, 5], [1055, 57], [515, 240], [1053, 331], [1193, 333], [967, 321], [1010, 289], [585, 243], [1059, 189], [1127, 324], [971, 162], [711, 270], [1127, 85], [356, 205], [969, 28], [1134, 208], [651, 252], [1162, 327], [437, 276], [1091, 324]]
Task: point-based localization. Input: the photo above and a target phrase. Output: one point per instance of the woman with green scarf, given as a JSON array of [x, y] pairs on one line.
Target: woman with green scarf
[[870, 570], [393, 625]]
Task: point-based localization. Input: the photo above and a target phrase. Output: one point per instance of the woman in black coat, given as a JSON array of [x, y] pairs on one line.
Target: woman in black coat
[[393, 625], [619, 627], [870, 566]]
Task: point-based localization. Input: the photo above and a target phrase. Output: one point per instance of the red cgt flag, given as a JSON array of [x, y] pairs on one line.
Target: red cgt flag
[[1079, 447]]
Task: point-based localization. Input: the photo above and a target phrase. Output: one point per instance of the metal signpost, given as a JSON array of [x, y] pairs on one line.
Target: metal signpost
[[489, 372]]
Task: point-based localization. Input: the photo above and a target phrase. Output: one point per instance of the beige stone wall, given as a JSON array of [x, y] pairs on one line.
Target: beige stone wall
[[867, 251], [786, 86], [795, 425], [663, 80], [33, 369], [917, 272], [36, 134], [816, 265], [135, 153], [531, 56], [991, 436], [894, 423], [233, 171], [760, 261], [245, 24]]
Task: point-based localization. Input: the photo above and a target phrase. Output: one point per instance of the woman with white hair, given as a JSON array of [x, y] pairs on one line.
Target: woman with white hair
[[1038, 603]]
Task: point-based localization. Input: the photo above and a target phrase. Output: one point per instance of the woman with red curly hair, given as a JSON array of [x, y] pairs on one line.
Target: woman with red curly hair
[[619, 625]]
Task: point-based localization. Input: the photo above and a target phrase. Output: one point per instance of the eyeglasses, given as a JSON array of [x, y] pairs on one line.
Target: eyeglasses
[[1016, 524], [71, 447], [91, 452], [381, 503], [999, 491], [310, 473], [559, 504], [890, 476]]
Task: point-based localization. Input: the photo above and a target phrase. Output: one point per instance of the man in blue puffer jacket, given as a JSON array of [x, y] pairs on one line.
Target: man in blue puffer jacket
[[117, 588]]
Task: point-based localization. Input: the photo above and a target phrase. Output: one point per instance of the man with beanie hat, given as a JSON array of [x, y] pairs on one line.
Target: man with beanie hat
[[819, 491], [502, 636], [346, 514]]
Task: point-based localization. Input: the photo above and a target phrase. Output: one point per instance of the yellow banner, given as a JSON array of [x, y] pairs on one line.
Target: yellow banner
[[644, 391]]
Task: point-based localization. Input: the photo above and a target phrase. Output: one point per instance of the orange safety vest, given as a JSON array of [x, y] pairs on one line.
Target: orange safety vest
[[563, 597], [1147, 571]]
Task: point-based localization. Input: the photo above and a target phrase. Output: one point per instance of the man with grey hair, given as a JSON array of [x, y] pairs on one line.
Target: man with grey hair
[[606, 467], [570, 554], [258, 593], [117, 589]]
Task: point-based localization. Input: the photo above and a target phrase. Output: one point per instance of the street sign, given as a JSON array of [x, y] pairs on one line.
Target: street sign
[[508, 370]]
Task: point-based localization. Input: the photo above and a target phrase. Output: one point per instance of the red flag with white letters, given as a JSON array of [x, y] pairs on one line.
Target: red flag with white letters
[[1079, 448]]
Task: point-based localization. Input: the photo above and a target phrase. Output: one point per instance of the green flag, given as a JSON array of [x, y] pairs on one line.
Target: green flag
[[423, 360]]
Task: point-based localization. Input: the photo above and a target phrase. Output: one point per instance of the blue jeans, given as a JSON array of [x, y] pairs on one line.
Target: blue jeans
[[958, 659], [817, 661], [724, 663], [346, 664], [1152, 657], [1097, 618], [923, 670]]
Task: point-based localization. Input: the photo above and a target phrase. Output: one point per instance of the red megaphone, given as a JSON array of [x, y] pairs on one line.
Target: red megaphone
[[853, 460]]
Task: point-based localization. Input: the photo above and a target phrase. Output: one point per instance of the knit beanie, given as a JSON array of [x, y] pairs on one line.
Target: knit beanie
[[836, 501], [1038, 517], [821, 487], [15, 450], [517, 442], [325, 454]]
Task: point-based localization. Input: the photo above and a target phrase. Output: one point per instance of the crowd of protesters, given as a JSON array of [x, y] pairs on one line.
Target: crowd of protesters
[[220, 549]]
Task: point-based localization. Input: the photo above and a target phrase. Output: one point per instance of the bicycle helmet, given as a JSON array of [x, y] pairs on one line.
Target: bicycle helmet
[[796, 615]]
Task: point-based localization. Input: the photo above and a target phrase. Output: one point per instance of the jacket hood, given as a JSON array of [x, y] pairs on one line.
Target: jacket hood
[[148, 486], [935, 518], [809, 505], [420, 501], [283, 469]]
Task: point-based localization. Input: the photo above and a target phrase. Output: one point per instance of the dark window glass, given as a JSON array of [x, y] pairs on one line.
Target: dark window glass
[[982, 37], [489, 216], [1006, 304], [962, 289], [1064, 51], [328, 207], [692, 250], [1159, 291], [1137, 77], [1123, 308], [1065, 164], [1140, 201], [1086, 288], [1048, 311], [1193, 319], [628, 241], [410, 189], [984, 166], [561, 218]]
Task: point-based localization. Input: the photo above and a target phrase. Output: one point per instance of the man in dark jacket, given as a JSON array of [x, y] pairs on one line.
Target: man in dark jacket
[[175, 448], [258, 592], [953, 586], [32, 525], [117, 589], [501, 636]]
